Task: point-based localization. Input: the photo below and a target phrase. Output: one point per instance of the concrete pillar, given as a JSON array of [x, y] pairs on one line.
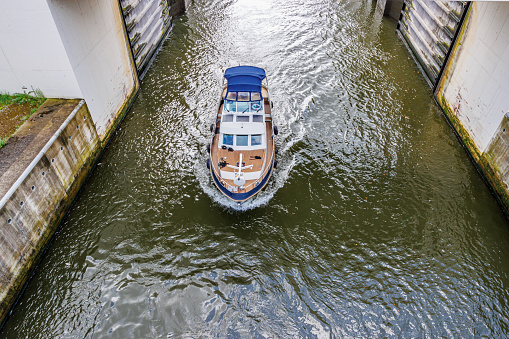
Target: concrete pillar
[[474, 91], [179, 7], [390, 8], [69, 49], [32, 54]]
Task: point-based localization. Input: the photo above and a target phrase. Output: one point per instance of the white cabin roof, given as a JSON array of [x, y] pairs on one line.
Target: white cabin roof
[[242, 128]]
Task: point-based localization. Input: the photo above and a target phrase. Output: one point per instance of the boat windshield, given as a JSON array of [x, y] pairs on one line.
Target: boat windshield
[[228, 139], [242, 140], [230, 106], [243, 106]]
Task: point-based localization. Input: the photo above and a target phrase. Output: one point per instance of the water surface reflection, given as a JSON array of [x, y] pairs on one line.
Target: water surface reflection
[[374, 224]]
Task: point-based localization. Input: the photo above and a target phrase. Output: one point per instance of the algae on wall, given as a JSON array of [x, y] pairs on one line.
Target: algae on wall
[[473, 93], [53, 167]]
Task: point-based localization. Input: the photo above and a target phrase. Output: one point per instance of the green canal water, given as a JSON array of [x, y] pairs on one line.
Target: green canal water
[[374, 224]]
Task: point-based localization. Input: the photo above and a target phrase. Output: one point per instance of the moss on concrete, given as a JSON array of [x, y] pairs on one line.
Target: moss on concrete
[[447, 68], [483, 161], [60, 204]]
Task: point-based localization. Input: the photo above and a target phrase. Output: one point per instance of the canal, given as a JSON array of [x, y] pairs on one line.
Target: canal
[[375, 223]]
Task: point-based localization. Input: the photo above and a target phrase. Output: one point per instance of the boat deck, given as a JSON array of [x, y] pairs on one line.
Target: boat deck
[[223, 157], [249, 158]]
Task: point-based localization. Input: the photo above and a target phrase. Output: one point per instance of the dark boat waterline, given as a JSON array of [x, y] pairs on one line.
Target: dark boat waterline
[[241, 197]]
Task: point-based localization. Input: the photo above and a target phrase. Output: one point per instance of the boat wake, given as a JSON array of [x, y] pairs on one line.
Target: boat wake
[[277, 181], [286, 162], [292, 130]]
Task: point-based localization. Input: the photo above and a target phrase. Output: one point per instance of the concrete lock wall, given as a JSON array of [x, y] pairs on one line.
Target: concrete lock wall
[[81, 49], [69, 49], [32, 55], [429, 28], [34, 205], [146, 23], [463, 50], [474, 91], [93, 35]]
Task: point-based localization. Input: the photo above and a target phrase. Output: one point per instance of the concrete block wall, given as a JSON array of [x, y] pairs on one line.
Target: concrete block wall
[[32, 53], [94, 38], [35, 204], [474, 91], [69, 49]]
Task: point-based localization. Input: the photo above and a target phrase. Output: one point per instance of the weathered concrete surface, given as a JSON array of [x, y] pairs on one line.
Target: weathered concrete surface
[[147, 23], [474, 91], [32, 53], [429, 28], [390, 8], [94, 38], [179, 7], [69, 49], [42, 169]]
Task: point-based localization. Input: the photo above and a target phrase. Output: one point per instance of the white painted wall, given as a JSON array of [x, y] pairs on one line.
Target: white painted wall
[[68, 49], [31, 51], [477, 87], [93, 37]]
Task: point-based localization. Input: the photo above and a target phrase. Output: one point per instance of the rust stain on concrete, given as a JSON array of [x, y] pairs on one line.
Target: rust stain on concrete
[[30, 214]]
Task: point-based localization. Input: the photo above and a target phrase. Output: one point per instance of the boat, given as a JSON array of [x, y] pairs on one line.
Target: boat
[[242, 152]]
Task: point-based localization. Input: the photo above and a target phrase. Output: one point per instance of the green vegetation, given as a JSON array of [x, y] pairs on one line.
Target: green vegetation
[[5, 99], [33, 98], [22, 106]]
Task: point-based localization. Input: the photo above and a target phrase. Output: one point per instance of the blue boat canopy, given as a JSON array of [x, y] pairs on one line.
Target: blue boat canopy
[[244, 79]]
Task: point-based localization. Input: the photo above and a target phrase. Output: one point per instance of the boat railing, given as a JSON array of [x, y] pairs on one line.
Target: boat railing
[[235, 189], [238, 188]]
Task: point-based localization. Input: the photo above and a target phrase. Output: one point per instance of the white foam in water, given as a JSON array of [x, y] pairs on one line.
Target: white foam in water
[[285, 160], [277, 181], [297, 136]]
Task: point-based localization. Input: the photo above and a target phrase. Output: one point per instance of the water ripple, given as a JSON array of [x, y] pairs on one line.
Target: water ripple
[[374, 224]]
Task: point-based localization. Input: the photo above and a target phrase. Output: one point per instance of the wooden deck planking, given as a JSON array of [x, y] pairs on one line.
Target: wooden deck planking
[[232, 158]]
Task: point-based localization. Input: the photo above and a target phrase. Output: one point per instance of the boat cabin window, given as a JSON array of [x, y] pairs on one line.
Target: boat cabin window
[[228, 118], [243, 106], [243, 102], [231, 96], [257, 118], [242, 140], [256, 139], [242, 118], [243, 96], [228, 139], [255, 96]]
